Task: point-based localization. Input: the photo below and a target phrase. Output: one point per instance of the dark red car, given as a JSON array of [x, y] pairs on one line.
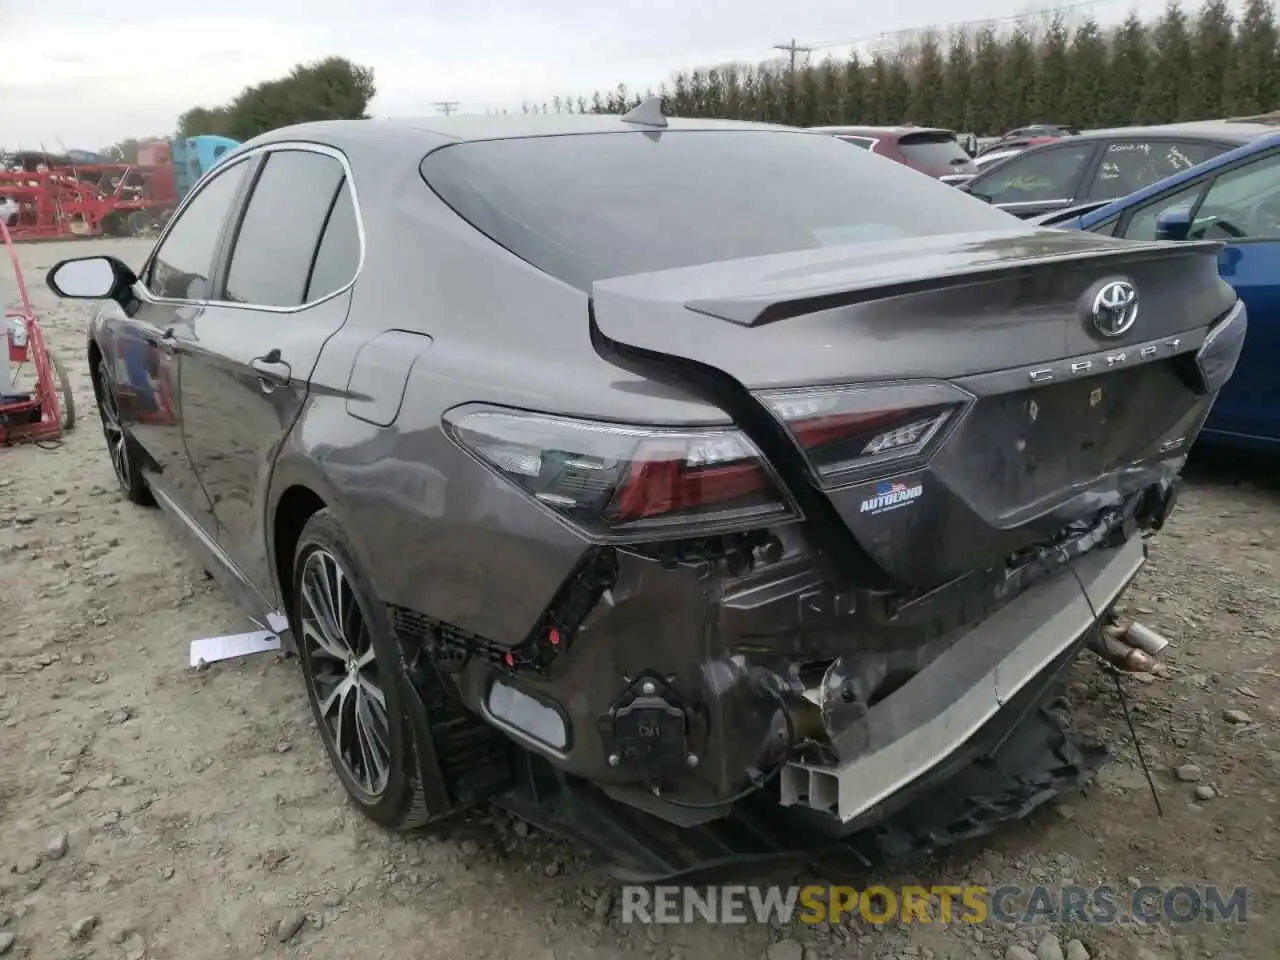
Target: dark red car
[[931, 150]]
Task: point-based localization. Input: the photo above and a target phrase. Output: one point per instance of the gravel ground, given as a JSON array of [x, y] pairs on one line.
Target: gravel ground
[[148, 810]]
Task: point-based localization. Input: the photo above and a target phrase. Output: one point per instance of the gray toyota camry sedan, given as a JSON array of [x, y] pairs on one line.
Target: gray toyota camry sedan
[[704, 489]]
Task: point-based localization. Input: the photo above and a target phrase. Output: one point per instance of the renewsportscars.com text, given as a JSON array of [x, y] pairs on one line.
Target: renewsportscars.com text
[[1009, 903]]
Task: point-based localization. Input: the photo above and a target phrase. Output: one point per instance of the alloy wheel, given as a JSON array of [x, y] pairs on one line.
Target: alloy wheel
[[343, 674], [113, 430]]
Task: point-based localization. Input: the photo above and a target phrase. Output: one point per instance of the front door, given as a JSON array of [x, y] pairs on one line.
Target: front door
[[248, 361], [143, 352], [1242, 206]]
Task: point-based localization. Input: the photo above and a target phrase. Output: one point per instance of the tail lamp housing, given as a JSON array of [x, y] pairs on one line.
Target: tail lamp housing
[[626, 482], [853, 433]]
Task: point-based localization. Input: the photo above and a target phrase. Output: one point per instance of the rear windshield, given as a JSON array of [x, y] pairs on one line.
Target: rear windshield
[[932, 149], [590, 206]]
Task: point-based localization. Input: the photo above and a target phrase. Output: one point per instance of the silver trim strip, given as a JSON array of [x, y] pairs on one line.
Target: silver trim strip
[[1034, 629], [1029, 203], [277, 622], [234, 160]]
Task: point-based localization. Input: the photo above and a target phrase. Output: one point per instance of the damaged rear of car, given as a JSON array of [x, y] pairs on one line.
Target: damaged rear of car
[[935, 437], [706, 490]]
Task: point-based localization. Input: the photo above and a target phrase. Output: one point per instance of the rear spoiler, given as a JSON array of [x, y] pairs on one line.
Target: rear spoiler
[[755, 311]]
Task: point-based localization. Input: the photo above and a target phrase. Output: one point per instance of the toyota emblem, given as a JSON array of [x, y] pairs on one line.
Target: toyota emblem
[[1115, 308]]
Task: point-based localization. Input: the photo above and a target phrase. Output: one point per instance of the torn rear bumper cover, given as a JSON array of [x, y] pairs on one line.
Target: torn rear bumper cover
[[917, 727]]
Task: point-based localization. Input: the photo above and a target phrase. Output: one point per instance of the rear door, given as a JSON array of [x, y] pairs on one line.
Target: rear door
[[283, 291], [1240, 204], [1039, 181]]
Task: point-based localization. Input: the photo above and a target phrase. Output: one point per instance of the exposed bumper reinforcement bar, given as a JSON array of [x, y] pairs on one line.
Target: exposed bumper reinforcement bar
[[930, 717]]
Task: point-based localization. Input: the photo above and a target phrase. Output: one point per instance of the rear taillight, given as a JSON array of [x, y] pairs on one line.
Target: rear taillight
[[847, 433], [625, 482]]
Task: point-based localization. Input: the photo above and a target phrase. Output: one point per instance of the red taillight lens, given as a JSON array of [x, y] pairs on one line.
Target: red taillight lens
[[618, 481], [849, 432]]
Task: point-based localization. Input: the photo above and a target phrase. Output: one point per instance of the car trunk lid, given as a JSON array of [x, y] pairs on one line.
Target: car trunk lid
[[1059, 421]]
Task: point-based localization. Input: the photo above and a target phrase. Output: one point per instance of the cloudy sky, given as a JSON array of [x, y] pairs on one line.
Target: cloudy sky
[[83, 74]]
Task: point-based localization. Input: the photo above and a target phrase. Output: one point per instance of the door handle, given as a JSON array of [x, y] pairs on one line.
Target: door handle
[[271, 370], [165, 341]]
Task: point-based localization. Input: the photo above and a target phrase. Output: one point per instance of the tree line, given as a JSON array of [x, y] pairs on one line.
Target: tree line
[[1174, 68], [982, 79], [329, 89]]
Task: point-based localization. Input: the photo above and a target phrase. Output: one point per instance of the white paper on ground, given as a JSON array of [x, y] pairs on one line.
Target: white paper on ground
[[213, 649]]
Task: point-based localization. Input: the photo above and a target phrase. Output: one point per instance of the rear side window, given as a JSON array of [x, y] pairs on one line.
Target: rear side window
[[281, 228], [862, 142], [587, 207], [339, 255], [932, 149], [1130, 165]]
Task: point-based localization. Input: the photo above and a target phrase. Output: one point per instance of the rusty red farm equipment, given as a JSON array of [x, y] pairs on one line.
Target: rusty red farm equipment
[[46, 409], [54, 198]]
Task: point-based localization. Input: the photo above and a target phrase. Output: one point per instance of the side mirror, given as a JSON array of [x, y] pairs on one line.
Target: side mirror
[[1174, 224], [90, 278]]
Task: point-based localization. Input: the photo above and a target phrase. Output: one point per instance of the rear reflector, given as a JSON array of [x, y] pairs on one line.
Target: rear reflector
[[528, 715]]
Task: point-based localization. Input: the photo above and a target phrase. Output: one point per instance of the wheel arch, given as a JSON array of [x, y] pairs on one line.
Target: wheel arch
[[299, 490]]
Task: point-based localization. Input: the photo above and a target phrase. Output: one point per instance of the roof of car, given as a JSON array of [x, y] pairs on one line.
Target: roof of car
[[878, 131], [491, 127], [1235, 131]]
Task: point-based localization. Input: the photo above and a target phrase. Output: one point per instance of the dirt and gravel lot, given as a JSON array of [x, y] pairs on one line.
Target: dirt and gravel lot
[[149, 810]]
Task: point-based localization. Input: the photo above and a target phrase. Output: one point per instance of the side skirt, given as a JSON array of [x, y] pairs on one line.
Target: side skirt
[[214, 559]]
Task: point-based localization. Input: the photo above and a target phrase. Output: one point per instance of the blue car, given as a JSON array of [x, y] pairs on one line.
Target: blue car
[[1234, 197]]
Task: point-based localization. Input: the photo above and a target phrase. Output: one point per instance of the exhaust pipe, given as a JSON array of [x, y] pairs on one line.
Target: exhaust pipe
[[1145, 639], [1133, 648]]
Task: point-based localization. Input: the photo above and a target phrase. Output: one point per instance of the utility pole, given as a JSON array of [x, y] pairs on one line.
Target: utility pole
[[792, 48], [447, 106]]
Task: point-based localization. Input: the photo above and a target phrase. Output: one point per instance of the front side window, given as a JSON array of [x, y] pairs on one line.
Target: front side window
[[1038, 176], [1130, 165], [277, 240], [183, 263], [1142, 225], [587, 207]]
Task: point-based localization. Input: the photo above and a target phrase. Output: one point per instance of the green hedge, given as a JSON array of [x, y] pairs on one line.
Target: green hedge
[[987, 80]]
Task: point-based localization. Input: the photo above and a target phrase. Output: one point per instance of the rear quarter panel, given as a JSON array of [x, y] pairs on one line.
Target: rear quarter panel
[[439, 533]]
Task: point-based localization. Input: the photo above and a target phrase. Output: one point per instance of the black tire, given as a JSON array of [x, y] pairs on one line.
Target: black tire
[[392, 796], [120, 446], [64, 389]]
